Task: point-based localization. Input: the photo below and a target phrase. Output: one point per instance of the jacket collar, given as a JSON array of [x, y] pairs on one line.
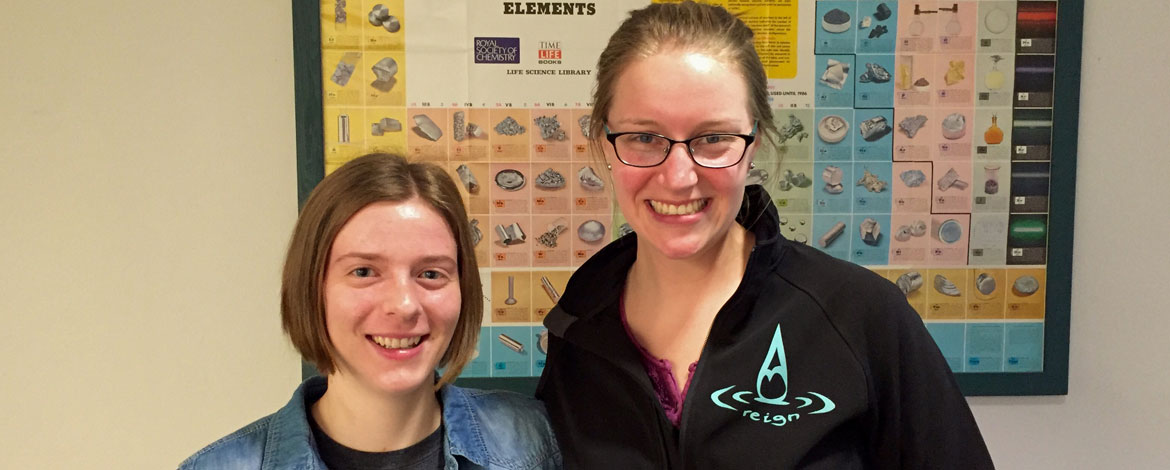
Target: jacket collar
[[758, 214], [461, 426], [290, 440], [291, 444]]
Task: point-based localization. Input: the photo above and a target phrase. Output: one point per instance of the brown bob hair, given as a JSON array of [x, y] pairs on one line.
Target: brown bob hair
[[365, 180], [685, 26]]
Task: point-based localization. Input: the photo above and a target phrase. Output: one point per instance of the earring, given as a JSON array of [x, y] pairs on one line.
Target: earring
[[608, 167], [751, 165]]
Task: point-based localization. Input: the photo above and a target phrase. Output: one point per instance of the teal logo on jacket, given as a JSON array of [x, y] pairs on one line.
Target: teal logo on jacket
[[769, 403]]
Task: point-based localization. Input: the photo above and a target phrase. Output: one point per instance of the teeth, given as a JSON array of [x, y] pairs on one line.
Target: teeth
[[397, 343], [683, 209]]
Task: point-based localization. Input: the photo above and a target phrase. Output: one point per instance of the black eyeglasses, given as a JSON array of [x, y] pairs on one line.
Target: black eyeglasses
[[644, 149]]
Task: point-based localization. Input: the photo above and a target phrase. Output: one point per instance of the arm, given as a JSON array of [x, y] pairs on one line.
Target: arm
[[921, 419]]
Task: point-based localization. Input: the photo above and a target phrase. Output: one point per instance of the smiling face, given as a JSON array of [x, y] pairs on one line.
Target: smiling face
[[678, 208], [391, 296]]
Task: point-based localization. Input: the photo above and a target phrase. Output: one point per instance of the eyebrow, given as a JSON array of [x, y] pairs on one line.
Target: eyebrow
[[703, 124], [438, 259], [431, 259], [358, 255]]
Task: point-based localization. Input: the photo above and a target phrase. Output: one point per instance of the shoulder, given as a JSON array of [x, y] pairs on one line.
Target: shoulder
[[835, 284], [243, 448], [606, 269], [599, 280], [509, 430], [279, 440], [867, 310]]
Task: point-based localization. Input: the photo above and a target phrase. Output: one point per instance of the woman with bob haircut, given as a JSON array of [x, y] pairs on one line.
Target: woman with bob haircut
[[705, 339], [381, 288]]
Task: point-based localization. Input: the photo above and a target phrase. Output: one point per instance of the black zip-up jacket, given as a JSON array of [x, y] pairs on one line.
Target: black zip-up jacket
[[812, 363]]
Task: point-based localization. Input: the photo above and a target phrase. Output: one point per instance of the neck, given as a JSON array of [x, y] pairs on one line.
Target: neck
[[372, 421], [653, 272]]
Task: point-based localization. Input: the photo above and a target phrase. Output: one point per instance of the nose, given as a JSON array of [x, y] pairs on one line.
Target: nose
[[679, 170], [400, 299]]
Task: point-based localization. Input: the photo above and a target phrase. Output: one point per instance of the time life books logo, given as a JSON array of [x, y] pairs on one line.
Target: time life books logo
[[769, 403], [549, 52], [496, 50]]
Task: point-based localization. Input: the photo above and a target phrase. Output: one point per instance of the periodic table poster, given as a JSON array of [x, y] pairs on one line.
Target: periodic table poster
[[916, 139]]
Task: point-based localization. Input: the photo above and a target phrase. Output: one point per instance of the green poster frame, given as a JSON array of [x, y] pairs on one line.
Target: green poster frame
[[1053, 380]]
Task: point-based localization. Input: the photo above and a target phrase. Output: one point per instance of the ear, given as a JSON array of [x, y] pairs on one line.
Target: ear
[[750, 156]]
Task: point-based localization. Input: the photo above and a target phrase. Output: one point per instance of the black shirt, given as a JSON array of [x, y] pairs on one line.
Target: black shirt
[[427, 454]]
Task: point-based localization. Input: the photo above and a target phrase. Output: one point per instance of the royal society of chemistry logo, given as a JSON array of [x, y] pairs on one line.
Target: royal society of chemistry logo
[[769, 403], [497, 50]]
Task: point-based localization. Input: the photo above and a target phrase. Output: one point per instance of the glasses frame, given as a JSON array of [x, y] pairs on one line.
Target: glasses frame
[[613, 136]]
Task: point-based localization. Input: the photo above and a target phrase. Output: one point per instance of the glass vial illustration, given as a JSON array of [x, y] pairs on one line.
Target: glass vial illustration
[[953, 27], [991, 172], [994, 78], [994, 134], [917, 27]]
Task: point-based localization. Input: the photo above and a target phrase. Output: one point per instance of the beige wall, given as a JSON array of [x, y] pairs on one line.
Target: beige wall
[[147, 186]]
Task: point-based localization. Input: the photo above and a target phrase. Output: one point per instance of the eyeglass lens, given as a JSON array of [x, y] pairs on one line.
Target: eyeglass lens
[[717, 150]]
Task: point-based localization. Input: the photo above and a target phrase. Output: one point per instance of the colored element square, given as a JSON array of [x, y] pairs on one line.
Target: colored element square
[[511, 348]]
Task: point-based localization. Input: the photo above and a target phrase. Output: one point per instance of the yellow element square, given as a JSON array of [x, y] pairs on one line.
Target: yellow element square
[[340, 29], [1019, 304], [343, 75], [389, 92], [988, 306], [344, 135], [542, 299], [916, 298], [511, 302], [378, 37], [941, 306], [389, 141]]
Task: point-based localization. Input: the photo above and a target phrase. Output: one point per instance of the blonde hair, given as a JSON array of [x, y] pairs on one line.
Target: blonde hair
[[357, 184], [686, 26]]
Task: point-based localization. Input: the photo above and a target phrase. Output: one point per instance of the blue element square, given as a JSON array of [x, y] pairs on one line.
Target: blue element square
[[872, 94], [881, 149], [841, 151], [1024, 347], [949, 337], [826, 96], [825, 202], [836, 43], [985, 347], [866, 202], [507, 362], [870, 255], [480, 366], [886, 42], [840, 246]]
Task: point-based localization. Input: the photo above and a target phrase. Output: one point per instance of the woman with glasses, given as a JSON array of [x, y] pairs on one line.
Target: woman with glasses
[[705, 339]]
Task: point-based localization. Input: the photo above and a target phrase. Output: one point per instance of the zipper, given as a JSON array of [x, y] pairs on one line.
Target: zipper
[[665, 428], [735, 298]]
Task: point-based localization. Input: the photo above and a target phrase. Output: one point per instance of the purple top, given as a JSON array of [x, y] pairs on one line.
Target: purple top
[[660, 374]]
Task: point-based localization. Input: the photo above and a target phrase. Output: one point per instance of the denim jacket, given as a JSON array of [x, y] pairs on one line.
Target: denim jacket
[[483, 430]]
